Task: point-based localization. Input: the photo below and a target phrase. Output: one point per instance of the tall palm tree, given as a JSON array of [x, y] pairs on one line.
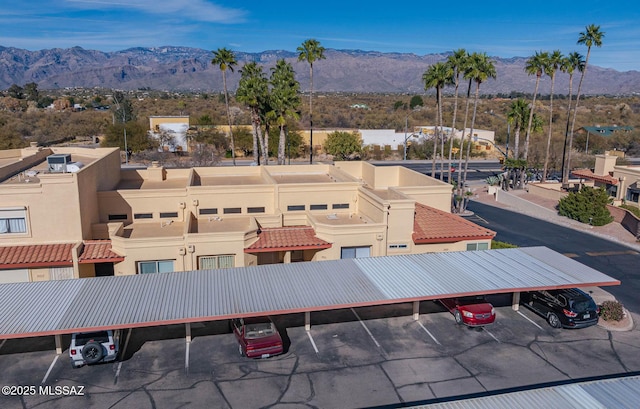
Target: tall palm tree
[[574, 61], [535, 65], [284, 101], [457, 62], [437, 76], [517, 117], [311, 51], [480, 69], [553, 64], [252, 92], [225, 59], [591, 36]]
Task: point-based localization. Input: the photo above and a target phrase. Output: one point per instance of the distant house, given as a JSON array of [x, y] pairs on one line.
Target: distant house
[[604, 130], [171, 131]]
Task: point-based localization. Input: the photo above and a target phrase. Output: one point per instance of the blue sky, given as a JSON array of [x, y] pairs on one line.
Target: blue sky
[[500, 28]]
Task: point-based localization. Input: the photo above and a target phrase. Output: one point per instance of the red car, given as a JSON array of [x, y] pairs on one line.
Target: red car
[[257, 337], [473, 311]]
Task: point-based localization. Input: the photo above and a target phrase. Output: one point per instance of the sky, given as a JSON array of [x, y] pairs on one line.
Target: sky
[[500, 28]]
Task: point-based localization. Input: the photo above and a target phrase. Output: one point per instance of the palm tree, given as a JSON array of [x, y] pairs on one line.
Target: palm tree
[[457, 62], [480, 69], [575, 61], [284, 100], [553, 64], [517, 118], [252, 92], [437, 76], [590, 37], [225, 59], [535, 65], [311, 51]]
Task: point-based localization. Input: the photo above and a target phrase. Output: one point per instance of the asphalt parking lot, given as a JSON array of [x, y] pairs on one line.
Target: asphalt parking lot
[[350, 358]]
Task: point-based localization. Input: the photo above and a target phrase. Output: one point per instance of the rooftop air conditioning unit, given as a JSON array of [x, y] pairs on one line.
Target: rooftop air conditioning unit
[[58, 162]]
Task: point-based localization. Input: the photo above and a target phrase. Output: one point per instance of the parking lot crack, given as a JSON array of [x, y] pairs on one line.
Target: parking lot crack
[[615, 352]]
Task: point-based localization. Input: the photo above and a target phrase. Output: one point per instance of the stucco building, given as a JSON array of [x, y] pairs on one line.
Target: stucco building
[[59, 220]]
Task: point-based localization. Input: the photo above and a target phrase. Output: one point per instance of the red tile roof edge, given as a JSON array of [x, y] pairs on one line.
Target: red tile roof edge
[[588, 174], [421, 232]]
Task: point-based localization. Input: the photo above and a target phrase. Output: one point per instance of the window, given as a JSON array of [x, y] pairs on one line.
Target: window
[[295, 207], [61, 273], [255, 209], [340, 206], [117, 217], [633, 195], [208, 211], [166, 215], [13, 221], [158, 266], [355, 252], [318, 207], [232, 210], [477, 246], [143, 215], [214, 262]]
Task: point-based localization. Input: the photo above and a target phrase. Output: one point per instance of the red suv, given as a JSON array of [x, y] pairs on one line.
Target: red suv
[[473, 311], [257, 337]]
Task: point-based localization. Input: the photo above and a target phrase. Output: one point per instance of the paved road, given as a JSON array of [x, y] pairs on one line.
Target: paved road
[[613, 259]]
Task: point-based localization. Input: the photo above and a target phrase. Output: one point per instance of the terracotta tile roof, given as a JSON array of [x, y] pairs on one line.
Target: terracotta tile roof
[[588, 174], [41, 255], [98, 251], [431, 225], [287, 238]]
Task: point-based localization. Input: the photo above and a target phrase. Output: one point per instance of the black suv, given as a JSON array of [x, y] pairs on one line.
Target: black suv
[[565, 308]]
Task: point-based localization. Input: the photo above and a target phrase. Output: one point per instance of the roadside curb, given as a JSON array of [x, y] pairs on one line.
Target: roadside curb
[[609, 327]]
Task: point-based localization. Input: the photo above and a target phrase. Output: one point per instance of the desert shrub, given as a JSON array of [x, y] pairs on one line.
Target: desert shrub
[[589, 205], [495, 244], [611, 311], [632, 209]]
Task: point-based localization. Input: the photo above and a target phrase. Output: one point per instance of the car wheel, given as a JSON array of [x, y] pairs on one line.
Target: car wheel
[[92, 352], [458, 317], [554, 321], [240, 350]]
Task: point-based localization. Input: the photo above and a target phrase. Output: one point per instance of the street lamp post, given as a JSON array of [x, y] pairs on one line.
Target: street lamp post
[[124, 128]]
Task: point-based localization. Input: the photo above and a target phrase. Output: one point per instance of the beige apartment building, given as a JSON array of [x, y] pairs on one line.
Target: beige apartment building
[[74, 213]]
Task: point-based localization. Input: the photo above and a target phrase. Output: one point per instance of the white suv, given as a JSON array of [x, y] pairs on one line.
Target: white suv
[[93, 347]]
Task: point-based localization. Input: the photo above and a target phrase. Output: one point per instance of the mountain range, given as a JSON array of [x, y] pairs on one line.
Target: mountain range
[[189, 69]]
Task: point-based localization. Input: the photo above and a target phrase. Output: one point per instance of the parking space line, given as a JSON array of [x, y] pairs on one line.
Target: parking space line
[[313, 343], [529, 319], [50, 368], [492, 336], [122, 355], [430, 334], [365, 328]]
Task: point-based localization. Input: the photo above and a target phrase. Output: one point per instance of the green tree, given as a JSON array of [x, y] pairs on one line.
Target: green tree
[[591, 36], [517, 118], [284, 101], [480, 69], [15, 91], [589, 205], [311, 51], [225, 59], [572, 62], [416, 101], [553, 64], [457, 62], [253, 91], [343, 145], [137, 137], [31, 91], [437, 76], [535, 65]]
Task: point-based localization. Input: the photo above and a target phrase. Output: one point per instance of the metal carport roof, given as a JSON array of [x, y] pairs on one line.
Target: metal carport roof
[[61, 307]]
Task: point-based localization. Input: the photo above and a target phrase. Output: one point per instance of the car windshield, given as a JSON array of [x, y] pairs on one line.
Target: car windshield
[[583, 305], [259, 330], [99, 336]]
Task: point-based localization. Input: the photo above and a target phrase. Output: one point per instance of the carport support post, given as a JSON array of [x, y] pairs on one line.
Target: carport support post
[[307, 321], [515, 302], [416, 310], [58, 339], [187, 330]]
